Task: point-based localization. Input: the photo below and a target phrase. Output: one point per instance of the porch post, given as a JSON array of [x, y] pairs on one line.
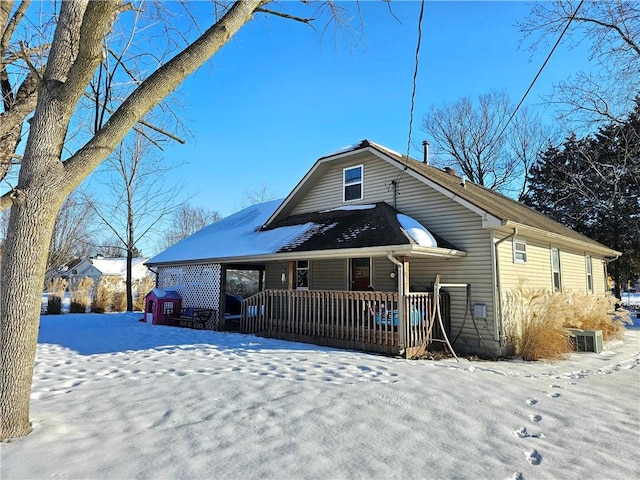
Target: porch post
[[292, 275], [222, 304]]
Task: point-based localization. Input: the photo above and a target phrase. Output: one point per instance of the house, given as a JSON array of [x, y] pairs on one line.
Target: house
[[376, 251], [99, 267]]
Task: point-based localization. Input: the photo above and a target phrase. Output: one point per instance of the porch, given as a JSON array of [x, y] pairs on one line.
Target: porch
[[366, 321]]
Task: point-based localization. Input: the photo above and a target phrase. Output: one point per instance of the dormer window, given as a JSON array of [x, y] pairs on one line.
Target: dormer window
[[352, 183]]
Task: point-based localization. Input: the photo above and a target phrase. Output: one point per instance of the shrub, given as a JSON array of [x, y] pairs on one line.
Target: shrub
[[56, 290], [80, 295]]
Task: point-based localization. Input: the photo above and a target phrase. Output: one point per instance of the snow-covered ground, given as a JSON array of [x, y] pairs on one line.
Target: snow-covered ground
[[116, 398], [630, 299]]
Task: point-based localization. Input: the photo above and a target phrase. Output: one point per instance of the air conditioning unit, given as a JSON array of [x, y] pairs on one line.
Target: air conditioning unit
[[586, 340]]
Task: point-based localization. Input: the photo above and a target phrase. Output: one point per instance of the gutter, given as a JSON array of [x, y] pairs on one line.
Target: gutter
[[589, 246], [408, 250]]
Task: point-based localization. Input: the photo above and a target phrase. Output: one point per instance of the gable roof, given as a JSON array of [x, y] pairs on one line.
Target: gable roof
[[243, 236], [496, 209]]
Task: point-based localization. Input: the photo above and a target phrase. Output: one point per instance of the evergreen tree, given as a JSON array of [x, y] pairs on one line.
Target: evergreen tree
[[592, 185]]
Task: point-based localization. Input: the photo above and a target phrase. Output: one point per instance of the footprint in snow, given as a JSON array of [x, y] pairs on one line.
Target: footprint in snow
[[534, 457], [516, 476], [531, 401], [554, 395], [523, 433], [535, 418]]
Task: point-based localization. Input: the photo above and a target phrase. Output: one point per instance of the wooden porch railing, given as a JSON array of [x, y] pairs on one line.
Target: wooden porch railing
[[366, 321]]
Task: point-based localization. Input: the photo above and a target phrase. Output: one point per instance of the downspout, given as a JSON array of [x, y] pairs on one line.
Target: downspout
[[401, 323], [156, 273], [499, 286]]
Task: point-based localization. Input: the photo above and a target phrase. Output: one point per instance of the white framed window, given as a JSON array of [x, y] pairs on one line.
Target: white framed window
[[519, 251], [589, 270], [352, 183], [555, 268], [302, 275], [167, 308]]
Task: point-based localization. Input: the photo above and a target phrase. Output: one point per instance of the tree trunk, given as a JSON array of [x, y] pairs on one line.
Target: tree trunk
[[45, 181], [130, 247], [23, 269]]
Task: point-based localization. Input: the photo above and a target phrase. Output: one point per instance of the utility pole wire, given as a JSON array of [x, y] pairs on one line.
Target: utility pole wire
[[415, 77], [540, 70]]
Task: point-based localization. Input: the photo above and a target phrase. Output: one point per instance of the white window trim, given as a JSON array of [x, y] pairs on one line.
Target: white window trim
[[559, 271], [308, 269], [588, 261], [345, 185], [518, 241]]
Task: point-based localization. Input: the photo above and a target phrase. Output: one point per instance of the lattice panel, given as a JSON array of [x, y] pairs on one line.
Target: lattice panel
[[198, 285]]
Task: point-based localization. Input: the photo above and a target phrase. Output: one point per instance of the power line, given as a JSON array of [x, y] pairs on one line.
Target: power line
[[415, 77], [539, 71]]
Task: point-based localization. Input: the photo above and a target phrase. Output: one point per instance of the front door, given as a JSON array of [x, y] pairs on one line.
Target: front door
[[360, 273]]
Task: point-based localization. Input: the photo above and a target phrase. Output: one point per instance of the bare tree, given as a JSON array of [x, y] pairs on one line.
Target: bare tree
[[63, 68], [479, 139], [72, 234], [187, 220], [611, 29], [258, 195], [136, 199]]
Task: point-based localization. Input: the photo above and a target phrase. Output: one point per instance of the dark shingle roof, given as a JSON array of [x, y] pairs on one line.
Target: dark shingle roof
[[374, 225]]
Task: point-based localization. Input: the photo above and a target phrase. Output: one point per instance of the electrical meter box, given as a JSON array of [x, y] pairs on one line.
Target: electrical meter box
[[480, 310]]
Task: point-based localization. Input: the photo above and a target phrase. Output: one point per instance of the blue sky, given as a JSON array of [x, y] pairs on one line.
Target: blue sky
[[279, 95]]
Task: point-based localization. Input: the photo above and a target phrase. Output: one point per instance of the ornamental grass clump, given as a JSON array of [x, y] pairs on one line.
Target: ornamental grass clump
[[598, 312], [57, 287], [108, 296], [538, 320], [80, 295], [141, 288], [543, 332]]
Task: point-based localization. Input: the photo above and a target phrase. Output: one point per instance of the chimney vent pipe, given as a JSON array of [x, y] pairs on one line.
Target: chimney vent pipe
[[425, 147]]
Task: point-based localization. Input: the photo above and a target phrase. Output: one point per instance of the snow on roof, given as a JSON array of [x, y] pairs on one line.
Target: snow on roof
[[362, 144], [417, 231], [113, 266], [237, 235], [169, 294]]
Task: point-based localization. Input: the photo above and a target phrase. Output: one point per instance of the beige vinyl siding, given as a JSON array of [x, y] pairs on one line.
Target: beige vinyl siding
[[574, 272], [327, 192], [600, 283], [574, 275], [273, 275], [463, 228], [381, 275], [328, 274], [536, 273]]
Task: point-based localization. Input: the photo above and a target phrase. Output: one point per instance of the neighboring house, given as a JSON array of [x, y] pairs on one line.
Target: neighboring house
[[368, 228], [99, 267]]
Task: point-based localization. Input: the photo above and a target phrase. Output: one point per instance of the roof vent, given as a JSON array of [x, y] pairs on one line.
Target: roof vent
[[451, 171], [425, 150]]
